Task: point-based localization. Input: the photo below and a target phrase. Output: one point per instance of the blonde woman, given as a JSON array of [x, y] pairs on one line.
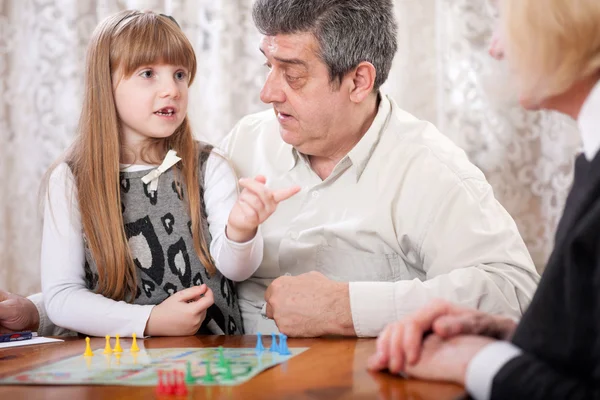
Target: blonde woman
[[553, 47], [143, 229]]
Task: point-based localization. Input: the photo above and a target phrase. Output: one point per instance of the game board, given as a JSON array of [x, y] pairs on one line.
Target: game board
[[141, 369]]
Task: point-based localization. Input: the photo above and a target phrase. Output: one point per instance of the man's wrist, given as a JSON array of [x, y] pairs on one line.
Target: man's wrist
[[342, 322], [35, 324]]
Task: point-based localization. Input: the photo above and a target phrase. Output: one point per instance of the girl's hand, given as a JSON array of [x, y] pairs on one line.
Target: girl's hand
[[181, 314], [255, 205]]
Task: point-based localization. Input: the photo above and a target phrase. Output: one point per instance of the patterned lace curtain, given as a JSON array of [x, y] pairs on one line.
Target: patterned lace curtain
[[441, 73]]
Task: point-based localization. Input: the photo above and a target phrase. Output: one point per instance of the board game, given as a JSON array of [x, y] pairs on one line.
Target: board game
[[201, 366]]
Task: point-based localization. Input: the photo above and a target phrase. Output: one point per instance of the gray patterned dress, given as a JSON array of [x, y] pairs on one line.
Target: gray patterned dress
[[158, 229]]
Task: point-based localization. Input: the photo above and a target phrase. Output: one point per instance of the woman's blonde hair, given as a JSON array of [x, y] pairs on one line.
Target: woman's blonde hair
[[552, 44], [124, 42]]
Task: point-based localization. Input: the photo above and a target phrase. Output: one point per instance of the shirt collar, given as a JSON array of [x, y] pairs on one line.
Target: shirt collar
[[362, 151], [296, 155], [589, 123]]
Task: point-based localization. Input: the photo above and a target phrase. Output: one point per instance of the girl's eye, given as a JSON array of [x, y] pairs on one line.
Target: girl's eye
[[180, 75], [146, 74]]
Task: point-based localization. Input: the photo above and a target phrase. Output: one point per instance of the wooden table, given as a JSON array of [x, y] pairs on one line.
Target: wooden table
[[333, 368]]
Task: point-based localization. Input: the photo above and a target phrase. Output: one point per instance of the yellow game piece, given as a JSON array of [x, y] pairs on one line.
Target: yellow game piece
[[134, 346], [88, 349], [107, 349], [118, 348]]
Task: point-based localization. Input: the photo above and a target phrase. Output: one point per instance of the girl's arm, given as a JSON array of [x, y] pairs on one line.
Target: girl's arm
[[69, 303], [236, 261]]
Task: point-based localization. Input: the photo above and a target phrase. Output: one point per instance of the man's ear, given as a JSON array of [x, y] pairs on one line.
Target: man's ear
[[363, 81]]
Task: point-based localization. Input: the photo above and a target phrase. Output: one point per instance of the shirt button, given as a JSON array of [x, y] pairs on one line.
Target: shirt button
[[315, 194], [294, 235]]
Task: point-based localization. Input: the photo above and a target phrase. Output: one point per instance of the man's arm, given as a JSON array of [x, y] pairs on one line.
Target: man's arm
[[17, 313], [310, 305], [471, 254]]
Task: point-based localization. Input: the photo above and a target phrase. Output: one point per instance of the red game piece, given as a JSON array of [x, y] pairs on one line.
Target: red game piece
[[181, 389], [170, 383], [160, 389]]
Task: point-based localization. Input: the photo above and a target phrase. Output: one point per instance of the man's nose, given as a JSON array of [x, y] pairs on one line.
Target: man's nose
[[272, 91]]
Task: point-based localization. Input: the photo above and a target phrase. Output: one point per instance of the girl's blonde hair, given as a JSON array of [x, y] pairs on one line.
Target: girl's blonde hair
[[552, 44], [125, 42]]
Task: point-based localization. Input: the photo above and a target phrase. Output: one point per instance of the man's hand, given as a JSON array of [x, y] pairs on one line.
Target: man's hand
[[17, 313], [401, 342], [310, 305]]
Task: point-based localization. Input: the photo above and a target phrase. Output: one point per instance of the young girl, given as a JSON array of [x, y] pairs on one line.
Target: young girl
[[120, 230]]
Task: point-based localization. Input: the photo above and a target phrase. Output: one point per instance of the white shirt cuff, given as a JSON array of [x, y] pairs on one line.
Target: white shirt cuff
[[373, 307], [237, 245], [38, 302], [485, 365]]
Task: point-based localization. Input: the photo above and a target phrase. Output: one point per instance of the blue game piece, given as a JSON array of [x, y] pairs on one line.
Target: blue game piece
[[274, 348], [259, 346], [283, 348]]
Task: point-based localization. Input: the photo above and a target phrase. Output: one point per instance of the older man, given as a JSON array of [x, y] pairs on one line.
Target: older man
[[392, 213]]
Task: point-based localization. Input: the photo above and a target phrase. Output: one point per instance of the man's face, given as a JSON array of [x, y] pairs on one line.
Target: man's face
[[309, 108]]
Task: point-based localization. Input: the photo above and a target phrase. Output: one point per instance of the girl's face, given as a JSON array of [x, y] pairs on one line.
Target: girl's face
[[151, 103]]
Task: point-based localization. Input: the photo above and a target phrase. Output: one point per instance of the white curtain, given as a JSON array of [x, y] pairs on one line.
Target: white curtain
[[441, 73]]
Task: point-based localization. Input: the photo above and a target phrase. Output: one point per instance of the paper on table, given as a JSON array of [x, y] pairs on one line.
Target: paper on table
[[35, 340]]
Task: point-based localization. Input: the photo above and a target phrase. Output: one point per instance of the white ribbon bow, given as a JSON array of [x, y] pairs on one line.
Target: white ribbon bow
[[152, 178]]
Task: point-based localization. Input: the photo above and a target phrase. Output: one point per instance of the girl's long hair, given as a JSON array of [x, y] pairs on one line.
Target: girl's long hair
[[127, 41]]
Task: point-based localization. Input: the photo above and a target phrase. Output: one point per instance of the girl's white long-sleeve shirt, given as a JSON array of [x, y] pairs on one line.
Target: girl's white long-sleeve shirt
[[70, 304]]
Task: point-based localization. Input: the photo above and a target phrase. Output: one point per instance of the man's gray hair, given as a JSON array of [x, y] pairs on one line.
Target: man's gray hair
[[348, 31]]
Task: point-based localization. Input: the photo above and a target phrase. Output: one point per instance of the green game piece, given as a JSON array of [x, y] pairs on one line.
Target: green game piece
[[189, 378], [228, 376], [222, 361], [208, 378]]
